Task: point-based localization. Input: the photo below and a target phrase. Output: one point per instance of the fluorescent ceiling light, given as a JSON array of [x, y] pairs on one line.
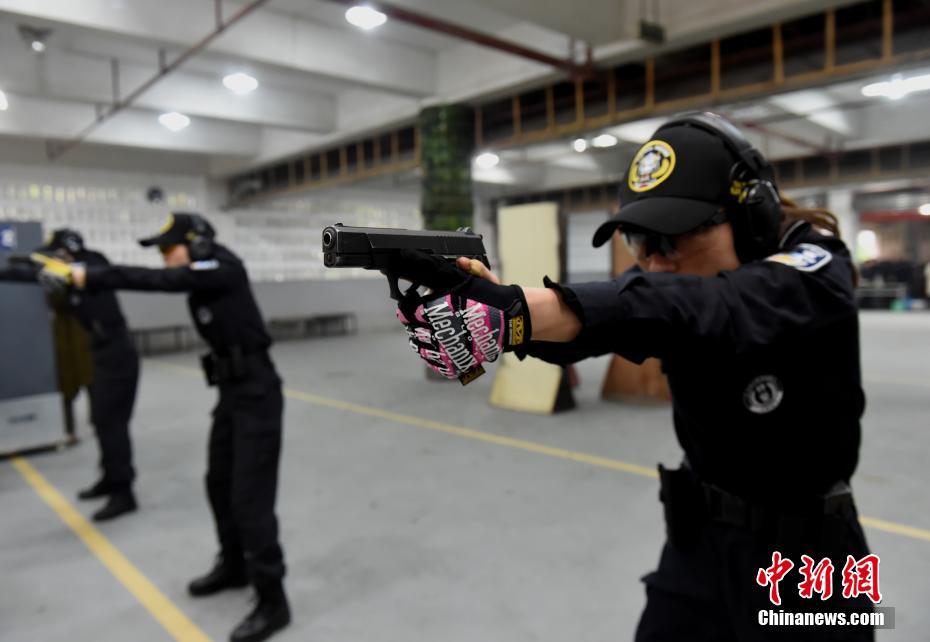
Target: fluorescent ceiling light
[[579, 145], [924, 209], [604, 140], [487, 160], [365, 17], [4, 103], [898, 87], [174, 121], [37, 46], [240, 83]]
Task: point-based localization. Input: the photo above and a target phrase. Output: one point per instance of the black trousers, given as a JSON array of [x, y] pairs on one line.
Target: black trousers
[[112, 397], [242, 472], [710, 593]]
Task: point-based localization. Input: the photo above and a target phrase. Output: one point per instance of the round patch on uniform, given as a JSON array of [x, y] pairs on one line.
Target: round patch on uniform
[[204, 316], [763, 394], [653, 163]]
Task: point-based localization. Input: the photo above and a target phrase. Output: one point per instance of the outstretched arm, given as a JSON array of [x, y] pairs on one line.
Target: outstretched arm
[[552, 319], [202, 275]]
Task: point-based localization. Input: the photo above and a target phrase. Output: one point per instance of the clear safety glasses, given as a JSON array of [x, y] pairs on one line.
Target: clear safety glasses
[[644, 244]]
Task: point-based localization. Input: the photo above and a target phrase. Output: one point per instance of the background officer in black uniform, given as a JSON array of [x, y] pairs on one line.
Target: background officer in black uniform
[[751, 310], [245, 439], [115, 371]]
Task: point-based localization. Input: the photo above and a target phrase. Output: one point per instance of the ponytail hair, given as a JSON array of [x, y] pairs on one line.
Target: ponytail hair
[[822, 219]]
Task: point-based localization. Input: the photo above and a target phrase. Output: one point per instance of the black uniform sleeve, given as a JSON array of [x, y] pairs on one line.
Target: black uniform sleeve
[[19, 272], [200, 276], [641, 315], [94, 259]]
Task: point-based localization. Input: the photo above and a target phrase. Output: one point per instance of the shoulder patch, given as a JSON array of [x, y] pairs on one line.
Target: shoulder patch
[[805, 257], [212, 264]]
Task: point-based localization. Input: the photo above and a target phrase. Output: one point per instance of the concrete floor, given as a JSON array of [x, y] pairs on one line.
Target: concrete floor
[[399, 533]]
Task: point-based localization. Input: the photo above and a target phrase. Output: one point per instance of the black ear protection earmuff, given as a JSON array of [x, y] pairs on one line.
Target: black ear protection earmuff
[[755, 209], [200, 239]]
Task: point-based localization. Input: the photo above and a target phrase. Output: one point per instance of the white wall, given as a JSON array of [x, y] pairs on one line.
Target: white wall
[[279, 239]]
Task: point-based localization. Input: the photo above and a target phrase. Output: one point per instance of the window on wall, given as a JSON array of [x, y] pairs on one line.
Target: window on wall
[[630, 86], [368, 153], [497, 120], [911, 25], [406, 143], [859, 32], [919, 155], [386, 145], [566, 108], [804, 45], [683, 74], [786, 171], [746, 59], [351, 158], [533, 110], [890, 158], [855, 163], [815, 167], [333, 163], [596, 95]]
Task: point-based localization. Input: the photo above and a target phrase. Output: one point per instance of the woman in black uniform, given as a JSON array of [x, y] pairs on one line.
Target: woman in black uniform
[[748, 301]]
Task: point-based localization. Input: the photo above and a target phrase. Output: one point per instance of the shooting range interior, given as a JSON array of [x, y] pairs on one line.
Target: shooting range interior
[[523, 506]]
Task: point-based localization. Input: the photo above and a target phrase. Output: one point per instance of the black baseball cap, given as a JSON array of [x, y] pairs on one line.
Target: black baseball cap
[[63, 238], [677, 181], [180, 228]]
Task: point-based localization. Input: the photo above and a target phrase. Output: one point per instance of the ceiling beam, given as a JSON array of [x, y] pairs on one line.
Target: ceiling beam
[[44, 118], [266, 37], [77, 77]]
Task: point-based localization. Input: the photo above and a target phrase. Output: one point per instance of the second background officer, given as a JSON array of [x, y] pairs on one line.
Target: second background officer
[[245, 438]]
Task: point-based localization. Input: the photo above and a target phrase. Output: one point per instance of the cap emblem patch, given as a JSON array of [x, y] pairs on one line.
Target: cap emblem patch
[[653, 163]]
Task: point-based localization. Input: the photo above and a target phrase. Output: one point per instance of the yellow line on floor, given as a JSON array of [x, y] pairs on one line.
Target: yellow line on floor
[[470, 433], [531, 446], [897, 529], [160, 607], [898, 381]]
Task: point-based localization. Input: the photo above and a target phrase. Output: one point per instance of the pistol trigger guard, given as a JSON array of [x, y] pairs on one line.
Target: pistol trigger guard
[[396, 294]]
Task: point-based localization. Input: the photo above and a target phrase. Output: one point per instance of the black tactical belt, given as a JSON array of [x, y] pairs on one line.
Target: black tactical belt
[[236, 366], [734, 510]]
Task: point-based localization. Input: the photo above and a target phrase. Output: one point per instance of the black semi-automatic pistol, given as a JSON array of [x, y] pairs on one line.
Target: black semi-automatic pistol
[[373, 248]]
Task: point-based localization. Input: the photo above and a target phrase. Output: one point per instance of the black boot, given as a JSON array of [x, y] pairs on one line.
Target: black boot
[[271, 614], [224, 575], [120, 502], [100, 489]]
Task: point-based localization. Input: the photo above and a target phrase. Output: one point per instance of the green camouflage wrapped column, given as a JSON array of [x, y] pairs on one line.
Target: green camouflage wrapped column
[[447, 140]]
